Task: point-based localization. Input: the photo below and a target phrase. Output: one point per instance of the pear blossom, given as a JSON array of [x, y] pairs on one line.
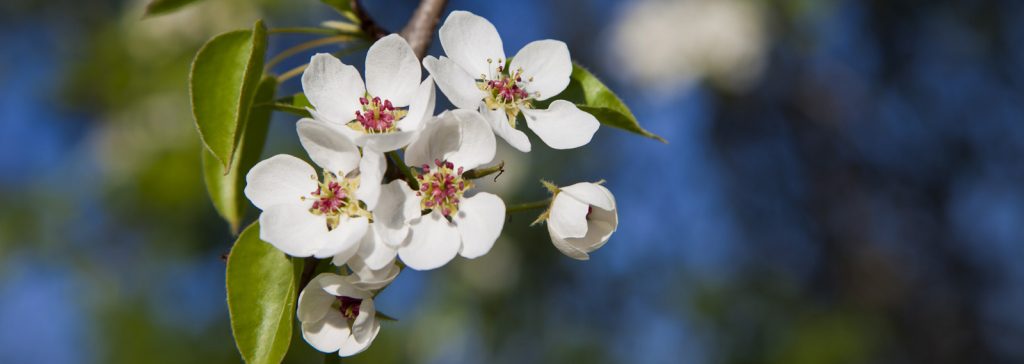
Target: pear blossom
[[384, 113], [581, 219], [430, 226], [337, 316], [303, 215], [476, 75], [373, 265]]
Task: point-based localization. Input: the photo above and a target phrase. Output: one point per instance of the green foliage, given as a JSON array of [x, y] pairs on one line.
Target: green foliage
[[159, 7], [262, 284], [223, 80], [296, 104], [226, 189], [592, 96]]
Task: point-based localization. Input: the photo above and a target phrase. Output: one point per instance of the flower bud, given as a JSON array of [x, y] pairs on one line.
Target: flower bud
[[581, 219]]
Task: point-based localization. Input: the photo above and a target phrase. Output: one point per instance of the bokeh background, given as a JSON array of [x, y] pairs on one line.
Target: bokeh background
[[842, 184]]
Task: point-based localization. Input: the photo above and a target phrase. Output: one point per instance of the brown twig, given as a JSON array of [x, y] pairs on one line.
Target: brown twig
[[366, 22], [419, 31]]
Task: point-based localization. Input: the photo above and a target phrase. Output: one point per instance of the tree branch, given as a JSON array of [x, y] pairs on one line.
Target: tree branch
[[419, 31], [366, 22]]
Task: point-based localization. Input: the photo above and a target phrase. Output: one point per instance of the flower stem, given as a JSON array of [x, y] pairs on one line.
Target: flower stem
[[484, 172], [303, 30], [306, 46], [397, 160], [528, 206]]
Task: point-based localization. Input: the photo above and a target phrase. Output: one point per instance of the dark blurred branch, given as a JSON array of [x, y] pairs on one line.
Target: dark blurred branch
[[366, 22], [419, 31]]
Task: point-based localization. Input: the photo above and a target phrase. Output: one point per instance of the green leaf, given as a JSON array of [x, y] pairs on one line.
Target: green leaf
[[592, 96], [226, 189], [296, 104], [159, 7], [262, 283], [223, 81]]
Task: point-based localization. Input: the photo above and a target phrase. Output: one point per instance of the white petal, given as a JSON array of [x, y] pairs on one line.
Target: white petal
[[421, 108], [373, 253], [362, 326], [397, 206], [352, 347], [456, 84], [439, 137], [368, 279], [470, 41], [547, 63], [371, 172], [326, 147], [281, 179], [293, 229], [591, 194], [327, 335], [566, 248], [333, 88], [434, 242], [476, 142], [313, 302], [562, 125], [600, 226], [339, 286], [385, 142], [392, 70], [344, 239], [339, 127], [459, 136], [568, 217], [499, 124], [480, 220]]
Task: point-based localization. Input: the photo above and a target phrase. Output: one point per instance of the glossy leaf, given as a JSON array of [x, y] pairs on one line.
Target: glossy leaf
[[592, 96], [159, 7], [262, 285], [222, 83], [226, 189]]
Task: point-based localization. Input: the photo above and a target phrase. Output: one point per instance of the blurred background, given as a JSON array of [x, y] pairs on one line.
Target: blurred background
[[843, 184]]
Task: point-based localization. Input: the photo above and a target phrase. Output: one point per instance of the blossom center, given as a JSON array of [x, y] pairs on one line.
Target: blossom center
[[335, 197], [349, 307], [377, 116], [505, 89], [442, 187]]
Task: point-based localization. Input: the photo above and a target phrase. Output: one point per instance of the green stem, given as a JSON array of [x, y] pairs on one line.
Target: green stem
[[306, 46], [528, 206], [303, 30], [484, 172], [409, 177], [332, 358]]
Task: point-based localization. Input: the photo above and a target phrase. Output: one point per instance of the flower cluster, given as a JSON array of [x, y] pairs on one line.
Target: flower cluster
[[370, 227]]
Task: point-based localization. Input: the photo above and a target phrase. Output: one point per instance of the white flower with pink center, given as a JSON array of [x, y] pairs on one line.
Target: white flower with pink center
[[581, 219], [429, 226], [337, 315], [384, 113], [476, 75], [306, 215]]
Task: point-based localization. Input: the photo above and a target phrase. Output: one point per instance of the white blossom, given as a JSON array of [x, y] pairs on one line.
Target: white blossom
[[337, 315], [476, 75], [384, 113], [303, 215], [454, 223], [581, 219]]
